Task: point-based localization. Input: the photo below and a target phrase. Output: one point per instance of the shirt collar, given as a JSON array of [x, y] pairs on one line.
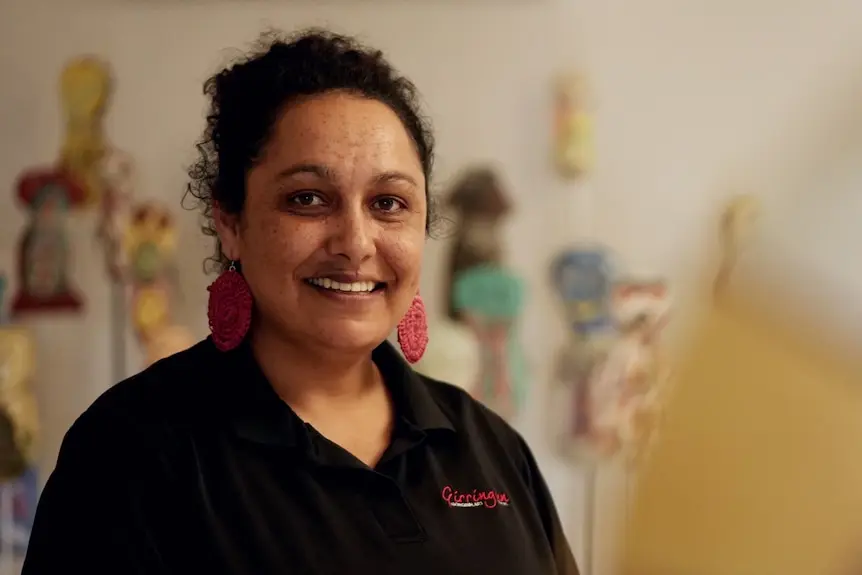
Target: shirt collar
[[258, 414], [413, 401]]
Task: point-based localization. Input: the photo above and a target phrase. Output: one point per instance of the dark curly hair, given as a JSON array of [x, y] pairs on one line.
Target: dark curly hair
[[247, 97]]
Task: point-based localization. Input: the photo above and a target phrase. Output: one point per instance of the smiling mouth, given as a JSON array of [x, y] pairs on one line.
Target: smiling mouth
[[347, 288]]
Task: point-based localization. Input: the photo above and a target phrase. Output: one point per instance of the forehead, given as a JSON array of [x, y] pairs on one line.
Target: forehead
[[345, 132]]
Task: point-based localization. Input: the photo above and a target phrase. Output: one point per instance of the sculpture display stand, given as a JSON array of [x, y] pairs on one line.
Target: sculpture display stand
[[44, 250]]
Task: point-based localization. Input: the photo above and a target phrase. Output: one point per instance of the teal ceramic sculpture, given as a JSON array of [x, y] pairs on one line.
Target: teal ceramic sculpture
[[491, 300]]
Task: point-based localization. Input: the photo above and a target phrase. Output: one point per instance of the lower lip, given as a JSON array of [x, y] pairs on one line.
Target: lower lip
[[349, 297]]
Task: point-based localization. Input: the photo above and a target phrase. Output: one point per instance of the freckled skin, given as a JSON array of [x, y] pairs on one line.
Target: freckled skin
[[354, 201]]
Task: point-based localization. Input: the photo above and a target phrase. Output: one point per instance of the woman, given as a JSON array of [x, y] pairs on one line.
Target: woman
[[296, 439]]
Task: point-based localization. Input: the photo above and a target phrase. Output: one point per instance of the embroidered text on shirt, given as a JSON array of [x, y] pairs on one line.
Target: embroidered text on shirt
[[476, 498]]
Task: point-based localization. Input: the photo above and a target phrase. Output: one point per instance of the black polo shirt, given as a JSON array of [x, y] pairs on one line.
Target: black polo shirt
[[196, 466]]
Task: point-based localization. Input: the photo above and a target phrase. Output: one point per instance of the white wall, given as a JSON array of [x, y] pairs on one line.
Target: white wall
[[695, 100]]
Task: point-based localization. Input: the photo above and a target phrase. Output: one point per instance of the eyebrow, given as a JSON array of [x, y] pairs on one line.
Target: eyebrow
[[326, 173]]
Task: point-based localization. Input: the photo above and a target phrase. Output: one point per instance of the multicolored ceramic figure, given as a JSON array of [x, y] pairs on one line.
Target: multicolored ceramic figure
[[619, 397], [583, 278], [44, 251], [150, 245]]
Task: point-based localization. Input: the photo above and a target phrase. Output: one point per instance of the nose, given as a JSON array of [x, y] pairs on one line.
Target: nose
[[352, 235]]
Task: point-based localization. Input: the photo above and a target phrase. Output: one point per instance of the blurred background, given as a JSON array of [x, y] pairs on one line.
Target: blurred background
[[683, 106]]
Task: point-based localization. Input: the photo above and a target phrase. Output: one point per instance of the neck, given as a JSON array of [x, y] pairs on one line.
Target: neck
[[305, 376]]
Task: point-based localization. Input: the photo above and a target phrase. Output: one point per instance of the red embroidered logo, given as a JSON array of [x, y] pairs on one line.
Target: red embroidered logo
[[475, 498]]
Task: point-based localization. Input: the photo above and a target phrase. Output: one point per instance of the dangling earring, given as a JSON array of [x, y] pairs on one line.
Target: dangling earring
[[229, 309], [413, 331]]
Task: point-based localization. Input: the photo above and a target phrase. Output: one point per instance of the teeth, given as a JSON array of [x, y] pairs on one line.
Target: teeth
[[327, 283]]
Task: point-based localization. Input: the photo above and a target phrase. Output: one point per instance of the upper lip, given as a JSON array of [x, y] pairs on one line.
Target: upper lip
[[347, 277]]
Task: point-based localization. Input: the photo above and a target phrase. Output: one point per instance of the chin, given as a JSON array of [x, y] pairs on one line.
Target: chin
[[349, 335]]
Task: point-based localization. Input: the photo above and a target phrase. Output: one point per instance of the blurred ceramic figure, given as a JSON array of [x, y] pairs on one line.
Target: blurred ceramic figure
[[622, 387], [573, 148], [19, 420]]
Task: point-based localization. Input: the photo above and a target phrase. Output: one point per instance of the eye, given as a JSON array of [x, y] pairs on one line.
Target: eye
[[388, 204], [306, 200]]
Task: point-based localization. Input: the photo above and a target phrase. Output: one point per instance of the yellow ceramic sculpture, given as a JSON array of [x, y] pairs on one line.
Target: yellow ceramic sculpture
[[150, 310], [20, 419], [85, 86], [574, 153]]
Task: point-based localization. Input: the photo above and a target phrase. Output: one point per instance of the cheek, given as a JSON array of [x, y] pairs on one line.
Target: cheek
[[404, 255], [277, 243]]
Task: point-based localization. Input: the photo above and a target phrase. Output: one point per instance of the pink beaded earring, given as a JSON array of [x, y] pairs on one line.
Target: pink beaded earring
[[229, 309], [413, 331]]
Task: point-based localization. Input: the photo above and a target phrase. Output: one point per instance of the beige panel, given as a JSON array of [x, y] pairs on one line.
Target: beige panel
[[759, 469]]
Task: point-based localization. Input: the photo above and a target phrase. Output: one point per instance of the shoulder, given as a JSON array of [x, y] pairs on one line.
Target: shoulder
[[168, 389], [482, 427], [147, 407]]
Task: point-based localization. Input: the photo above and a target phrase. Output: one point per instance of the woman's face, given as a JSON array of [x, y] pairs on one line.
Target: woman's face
[[332, 232]]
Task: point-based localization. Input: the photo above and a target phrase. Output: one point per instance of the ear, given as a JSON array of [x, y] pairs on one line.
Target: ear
[[227, 227]]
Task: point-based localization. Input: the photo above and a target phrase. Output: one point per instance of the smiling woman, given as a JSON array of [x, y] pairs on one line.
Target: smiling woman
[[337, 197], [295, 439]]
